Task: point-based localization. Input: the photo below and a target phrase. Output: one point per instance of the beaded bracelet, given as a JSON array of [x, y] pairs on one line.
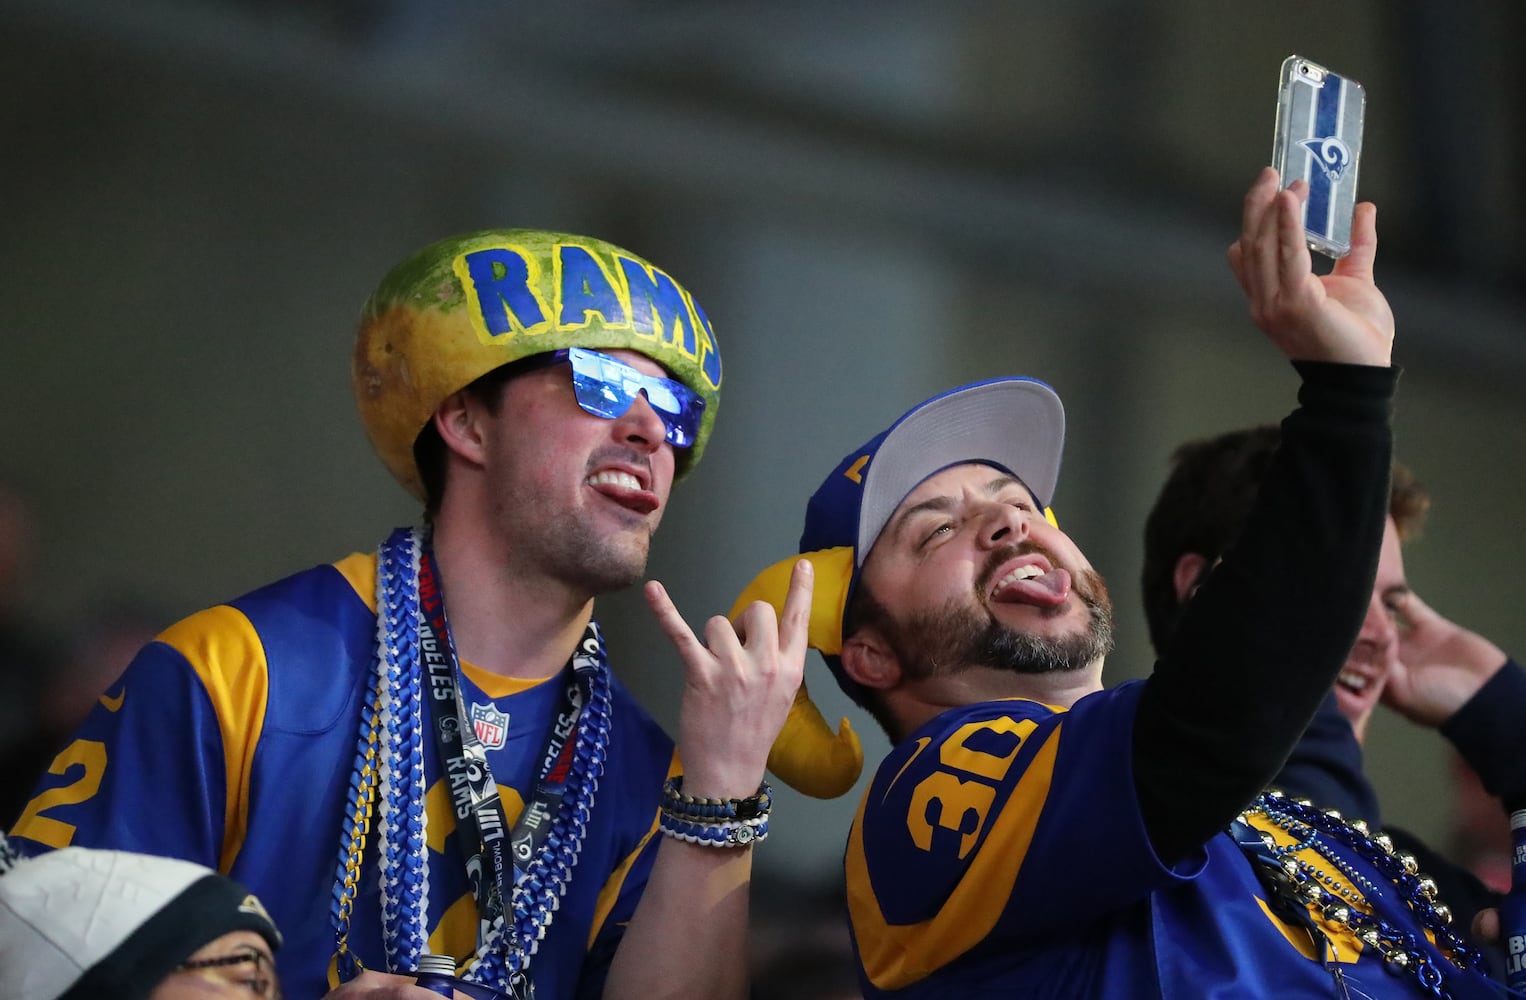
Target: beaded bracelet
[[700, 809], [723, 834]]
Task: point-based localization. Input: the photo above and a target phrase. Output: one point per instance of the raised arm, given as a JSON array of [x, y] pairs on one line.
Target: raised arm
[[1441, 665], [1456, 680], [1340, 317], [688, 937], [1262, 641]]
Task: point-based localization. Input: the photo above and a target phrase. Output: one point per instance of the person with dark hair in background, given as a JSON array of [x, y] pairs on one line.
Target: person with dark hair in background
[[79, 924], [1431, 670], [1033, 834], [423, 751]]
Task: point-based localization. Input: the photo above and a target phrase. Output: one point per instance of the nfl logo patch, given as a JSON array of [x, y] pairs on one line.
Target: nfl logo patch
[[490, 725]]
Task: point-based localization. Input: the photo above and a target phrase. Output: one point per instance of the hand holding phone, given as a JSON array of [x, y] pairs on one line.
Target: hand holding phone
[[1318, 139], [1340, 316]]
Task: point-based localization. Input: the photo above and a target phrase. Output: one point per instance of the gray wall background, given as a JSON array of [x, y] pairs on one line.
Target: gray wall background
[[873, 203]]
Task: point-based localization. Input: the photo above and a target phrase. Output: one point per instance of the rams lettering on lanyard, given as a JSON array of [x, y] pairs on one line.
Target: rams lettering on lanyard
[[509, 297]]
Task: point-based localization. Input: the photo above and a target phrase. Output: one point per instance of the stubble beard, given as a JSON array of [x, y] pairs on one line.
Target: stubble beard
[[595, 563], [566, 545]]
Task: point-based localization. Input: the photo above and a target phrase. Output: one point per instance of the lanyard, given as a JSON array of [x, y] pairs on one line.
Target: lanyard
[[388, 774], [1282, 895], [495, 856]]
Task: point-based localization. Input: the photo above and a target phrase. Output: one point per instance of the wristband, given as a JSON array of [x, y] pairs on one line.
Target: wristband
[[714, 822], [725, 834]]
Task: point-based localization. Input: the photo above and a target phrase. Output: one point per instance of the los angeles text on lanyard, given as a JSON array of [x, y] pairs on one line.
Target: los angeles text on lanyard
[[490, 848]]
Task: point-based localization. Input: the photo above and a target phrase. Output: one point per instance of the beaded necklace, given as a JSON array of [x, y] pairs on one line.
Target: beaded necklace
[[1304, 883], [389, 772]]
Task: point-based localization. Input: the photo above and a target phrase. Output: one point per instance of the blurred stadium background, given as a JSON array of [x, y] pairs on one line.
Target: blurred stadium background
[[873, 202]]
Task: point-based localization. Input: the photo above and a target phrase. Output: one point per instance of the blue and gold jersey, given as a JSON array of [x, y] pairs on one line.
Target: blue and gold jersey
[[1000, 851], [231, 740]]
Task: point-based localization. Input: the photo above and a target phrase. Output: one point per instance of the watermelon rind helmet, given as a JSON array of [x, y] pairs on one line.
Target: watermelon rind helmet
[[463, 306]]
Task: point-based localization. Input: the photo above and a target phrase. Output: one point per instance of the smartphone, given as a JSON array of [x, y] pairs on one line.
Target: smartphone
[[1318, 138]]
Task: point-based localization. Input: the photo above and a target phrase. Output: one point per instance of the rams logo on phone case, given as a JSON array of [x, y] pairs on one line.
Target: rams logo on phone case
[[1319, 140]]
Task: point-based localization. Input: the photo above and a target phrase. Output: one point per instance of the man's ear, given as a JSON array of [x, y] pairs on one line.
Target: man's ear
[[867, 658], [1188, 574], [457, 420]]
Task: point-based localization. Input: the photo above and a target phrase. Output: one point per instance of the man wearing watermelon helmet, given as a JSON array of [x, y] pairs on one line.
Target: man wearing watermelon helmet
[[422, 752]]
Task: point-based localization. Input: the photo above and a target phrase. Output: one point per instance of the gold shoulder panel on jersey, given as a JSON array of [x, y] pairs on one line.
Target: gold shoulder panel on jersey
[[223, 648], [359, 570], [897, 955]]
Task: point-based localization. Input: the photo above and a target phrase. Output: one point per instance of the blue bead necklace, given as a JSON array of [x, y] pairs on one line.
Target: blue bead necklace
[[389, 773], [1356, 908]]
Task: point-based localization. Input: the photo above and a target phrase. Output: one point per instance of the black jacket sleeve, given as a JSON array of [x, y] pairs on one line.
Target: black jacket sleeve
[[1487, 731], [1262, 640]]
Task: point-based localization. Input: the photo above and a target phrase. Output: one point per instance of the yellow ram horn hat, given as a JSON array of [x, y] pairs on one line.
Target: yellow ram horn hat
[[807, 755]]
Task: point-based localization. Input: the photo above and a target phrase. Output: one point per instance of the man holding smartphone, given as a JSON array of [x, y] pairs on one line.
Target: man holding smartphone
[[1033, 834]]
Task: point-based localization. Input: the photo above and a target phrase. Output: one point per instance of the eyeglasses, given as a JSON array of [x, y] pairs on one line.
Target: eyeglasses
[[608, 388], [227, 972]]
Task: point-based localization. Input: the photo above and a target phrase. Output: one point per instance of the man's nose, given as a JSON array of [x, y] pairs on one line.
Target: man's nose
[[641, 425], [1004, 524], [1378, 627]]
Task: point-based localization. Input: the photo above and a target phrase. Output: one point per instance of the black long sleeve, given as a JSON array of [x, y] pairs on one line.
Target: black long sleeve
[[1263, 639], [1487, 731]]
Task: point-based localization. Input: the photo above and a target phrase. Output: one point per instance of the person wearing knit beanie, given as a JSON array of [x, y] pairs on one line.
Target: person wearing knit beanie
[[78, 923]]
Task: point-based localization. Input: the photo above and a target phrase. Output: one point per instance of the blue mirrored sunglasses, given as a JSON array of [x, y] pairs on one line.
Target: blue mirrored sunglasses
[[606, 387]]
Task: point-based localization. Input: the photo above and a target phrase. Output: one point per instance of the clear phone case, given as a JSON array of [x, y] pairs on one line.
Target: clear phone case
[[1319, 139]]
